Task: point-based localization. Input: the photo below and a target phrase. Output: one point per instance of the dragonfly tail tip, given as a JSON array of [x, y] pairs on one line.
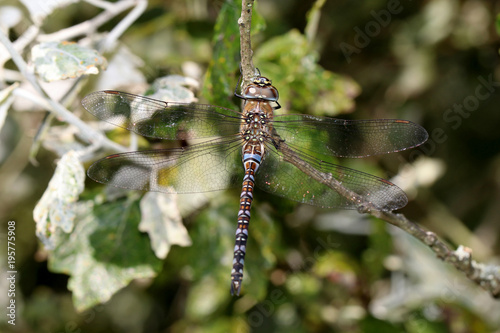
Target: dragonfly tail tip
[[235, 288]]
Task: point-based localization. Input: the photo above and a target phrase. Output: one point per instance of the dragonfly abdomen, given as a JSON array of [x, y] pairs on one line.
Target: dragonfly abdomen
[[252, 157]]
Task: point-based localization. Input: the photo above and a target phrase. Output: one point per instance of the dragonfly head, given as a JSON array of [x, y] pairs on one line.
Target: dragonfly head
[[261, 88]]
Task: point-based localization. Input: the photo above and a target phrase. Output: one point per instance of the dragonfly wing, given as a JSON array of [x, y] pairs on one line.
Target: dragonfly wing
[[207, 166], [281, 178], [348, 138], [163, 120]]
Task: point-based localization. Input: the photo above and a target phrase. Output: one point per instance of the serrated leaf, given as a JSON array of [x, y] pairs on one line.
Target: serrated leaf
[[63, 60], [162, 220], [55, 212], [104, 253]]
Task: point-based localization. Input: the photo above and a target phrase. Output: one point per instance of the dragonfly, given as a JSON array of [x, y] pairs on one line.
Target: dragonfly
[[290, 155]]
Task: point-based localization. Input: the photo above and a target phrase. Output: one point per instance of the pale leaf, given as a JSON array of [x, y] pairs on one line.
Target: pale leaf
[[55, 213], [162, 221], [58, 61]]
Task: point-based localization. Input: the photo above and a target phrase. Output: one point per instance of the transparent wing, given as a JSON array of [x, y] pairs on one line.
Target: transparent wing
[[208, 166], [348, 138], [163, 120], [281, 178]]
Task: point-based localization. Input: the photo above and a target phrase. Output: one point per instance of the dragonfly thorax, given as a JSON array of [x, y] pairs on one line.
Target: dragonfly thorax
[[255, 127], [256, 124]]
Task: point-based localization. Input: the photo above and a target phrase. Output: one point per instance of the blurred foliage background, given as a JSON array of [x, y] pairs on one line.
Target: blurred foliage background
[[433, 62]]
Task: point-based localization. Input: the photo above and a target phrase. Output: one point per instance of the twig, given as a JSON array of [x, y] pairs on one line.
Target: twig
[[245, 24], [26, 38], [488, 277], [109, 42], [87, 132], [101, 4], [90, 26]]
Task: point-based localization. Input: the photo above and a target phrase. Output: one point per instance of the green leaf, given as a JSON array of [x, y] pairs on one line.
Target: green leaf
[[291, 63], [381, 246], [104, 253], [205, 297], [263, 244], [334, 262], [258, 21], [63, 60], [213, 239], [303, 284], [220, 79], [162, 220], [211, 256], [55, 212]]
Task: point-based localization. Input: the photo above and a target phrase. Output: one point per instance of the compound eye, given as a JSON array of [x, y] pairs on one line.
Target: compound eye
[[262, 81], [266, 81]]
